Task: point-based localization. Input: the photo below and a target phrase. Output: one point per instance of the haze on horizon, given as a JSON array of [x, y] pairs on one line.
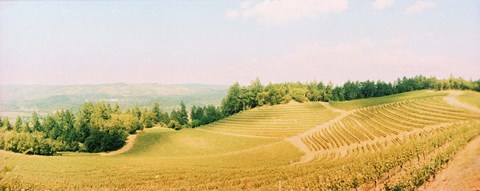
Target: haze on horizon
[[220, 42]]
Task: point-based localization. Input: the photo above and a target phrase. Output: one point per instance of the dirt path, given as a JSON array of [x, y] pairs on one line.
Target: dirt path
[[297, 139], [129, 144], [328, 106], [239, 135], [451, 99], [463, 172]]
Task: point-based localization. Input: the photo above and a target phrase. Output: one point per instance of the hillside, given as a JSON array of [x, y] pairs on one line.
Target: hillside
[[390, 142], [23, 99]]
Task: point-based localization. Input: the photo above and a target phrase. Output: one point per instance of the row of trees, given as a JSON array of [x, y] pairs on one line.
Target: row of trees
[[241, 98]]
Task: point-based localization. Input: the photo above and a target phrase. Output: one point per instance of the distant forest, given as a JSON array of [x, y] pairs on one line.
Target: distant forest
[[99, 127]]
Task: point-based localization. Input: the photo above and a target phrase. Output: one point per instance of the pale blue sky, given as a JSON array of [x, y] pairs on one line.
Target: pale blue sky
[[219, 42]]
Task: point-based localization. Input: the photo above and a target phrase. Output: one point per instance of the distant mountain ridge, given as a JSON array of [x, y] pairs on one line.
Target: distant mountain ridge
[[49, 98]]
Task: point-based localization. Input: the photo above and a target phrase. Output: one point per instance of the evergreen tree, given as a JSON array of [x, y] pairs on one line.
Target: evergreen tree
[[157, 113], [36, 122], [183, 120], [232, 104], [18, 124]]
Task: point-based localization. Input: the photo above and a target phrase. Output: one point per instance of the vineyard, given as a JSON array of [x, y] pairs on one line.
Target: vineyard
[[279, 121], [388, 143]]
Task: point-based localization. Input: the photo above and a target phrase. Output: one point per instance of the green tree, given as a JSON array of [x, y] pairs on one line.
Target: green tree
[[174, 124], [183, 120], [254, 90], [232, 103], [18, 124], [147, 118], [157, 113], [35, 122]]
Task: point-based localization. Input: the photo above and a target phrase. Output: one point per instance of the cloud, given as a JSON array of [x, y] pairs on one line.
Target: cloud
[[285, 11], [359, 60], [419, 6], [232, 14], [382, 4], [398, 41]]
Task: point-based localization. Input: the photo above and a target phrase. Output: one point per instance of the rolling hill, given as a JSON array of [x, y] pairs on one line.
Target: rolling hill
[[392, 142], [23, 99]]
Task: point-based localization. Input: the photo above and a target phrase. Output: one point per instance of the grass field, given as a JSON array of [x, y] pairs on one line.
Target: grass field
[[394, 142]]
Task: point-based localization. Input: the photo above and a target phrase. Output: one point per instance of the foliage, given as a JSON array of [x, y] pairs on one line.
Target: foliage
[[95, 128]]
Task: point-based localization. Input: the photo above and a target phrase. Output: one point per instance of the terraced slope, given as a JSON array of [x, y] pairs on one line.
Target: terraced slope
[[277, 121], [371, 128]]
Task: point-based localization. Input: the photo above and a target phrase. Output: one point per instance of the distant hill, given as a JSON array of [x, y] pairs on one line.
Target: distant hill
[[23, 99]]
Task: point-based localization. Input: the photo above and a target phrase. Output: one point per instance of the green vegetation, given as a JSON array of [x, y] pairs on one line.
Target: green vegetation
[[471, 98], [354, 104], [395, 142]]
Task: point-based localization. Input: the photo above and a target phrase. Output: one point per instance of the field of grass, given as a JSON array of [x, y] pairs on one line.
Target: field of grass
[[471, 98], [359, 103], [279, 121], [393, 142]]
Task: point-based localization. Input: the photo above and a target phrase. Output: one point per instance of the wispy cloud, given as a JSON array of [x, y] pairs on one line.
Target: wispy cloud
[[382, 4], [232, 14], [419, 6], [360, 60], [285, 11]]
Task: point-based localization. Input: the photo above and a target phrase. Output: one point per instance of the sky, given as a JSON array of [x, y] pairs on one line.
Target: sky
[[221, 42]]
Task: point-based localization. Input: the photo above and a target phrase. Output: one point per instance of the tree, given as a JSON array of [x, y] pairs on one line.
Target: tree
[[368, 89], [352, 90], [6, 124], [197, 115], [298, 94], [18, 124], [212, 114], [147, 118], [232, 104], [254, 90], [36, 122], [51, 127], [327, 94], [314, 91], [83, 123], [183, 120], [157, 113], [174, 125]]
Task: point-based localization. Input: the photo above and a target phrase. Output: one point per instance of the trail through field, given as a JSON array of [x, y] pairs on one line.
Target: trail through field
[[462, 173], [297, 139], [129, 144], [451, 98], [328, 106]]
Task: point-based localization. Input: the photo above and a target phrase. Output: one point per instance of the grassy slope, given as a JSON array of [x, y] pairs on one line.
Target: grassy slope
[[179, 159], [359, 103], [471, 98]]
